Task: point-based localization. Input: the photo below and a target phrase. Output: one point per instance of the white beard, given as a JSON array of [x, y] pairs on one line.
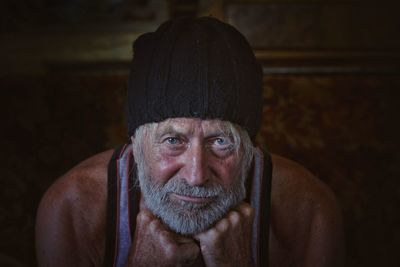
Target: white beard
[[185, 217]]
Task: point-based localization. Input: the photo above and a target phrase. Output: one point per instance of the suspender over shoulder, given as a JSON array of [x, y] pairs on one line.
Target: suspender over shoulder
[[112, 208], [259, 196]]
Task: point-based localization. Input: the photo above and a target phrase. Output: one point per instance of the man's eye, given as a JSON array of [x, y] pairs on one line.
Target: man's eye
[[222, 146], [222, 142], [173, 140]]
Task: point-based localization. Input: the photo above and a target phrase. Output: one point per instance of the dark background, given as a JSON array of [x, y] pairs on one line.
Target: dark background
[[331, 92]]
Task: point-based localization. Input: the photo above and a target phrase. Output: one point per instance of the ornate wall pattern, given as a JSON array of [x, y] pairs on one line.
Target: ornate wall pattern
[[343, 128]]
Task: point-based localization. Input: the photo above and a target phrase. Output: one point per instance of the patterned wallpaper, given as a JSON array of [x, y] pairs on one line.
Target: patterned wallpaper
[[344, 128]]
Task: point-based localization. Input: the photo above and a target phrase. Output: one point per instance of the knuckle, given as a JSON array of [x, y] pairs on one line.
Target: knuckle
[[214, 235], [144, 217], [164, 237], [170, 251], [222, 226], [246, 210], [154, 225], [234, 217], [249, 212]]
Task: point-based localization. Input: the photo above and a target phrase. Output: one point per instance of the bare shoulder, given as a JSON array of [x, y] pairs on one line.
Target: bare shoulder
[[71, 215], [305, 216], [83, 187], [292, 181]]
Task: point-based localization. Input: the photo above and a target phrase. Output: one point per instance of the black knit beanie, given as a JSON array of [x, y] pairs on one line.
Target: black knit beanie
[[201, 68]]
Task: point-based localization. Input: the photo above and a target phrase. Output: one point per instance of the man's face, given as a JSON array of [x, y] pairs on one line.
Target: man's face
[[190, 172]]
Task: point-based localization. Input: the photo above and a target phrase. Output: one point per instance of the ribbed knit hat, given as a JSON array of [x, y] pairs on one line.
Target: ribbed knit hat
[[200, 68]]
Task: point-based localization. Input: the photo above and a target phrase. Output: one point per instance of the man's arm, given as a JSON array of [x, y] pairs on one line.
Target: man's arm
[[325, 245], [306, 221], [56, 241], [70, 222]]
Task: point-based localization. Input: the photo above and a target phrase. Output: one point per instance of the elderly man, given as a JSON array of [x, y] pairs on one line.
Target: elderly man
[[190, 189]]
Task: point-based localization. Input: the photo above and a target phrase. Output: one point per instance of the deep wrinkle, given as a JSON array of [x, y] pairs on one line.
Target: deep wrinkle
[[194, 145]]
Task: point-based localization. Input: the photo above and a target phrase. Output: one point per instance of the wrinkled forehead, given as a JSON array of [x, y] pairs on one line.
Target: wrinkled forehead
[[189, 126]]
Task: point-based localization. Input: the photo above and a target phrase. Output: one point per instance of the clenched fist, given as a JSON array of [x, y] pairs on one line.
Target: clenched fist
[[228, 243]]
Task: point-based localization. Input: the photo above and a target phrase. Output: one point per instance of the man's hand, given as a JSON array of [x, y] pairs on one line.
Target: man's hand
[[155, 245], [228, 243]]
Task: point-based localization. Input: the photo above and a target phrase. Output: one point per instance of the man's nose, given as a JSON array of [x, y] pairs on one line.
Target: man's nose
[[195, 168]]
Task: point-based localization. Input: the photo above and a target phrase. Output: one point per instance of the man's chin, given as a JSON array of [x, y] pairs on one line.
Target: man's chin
[[189, 231], [188, 221]]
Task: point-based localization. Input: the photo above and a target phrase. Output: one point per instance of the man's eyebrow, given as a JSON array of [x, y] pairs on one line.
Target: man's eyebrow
[[217, 133], [169, 129]]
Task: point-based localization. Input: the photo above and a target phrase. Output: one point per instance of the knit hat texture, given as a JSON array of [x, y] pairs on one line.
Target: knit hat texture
[[200, 68]]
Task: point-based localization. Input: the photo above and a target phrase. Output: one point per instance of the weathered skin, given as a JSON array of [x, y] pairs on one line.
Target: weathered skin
[[306, 227]]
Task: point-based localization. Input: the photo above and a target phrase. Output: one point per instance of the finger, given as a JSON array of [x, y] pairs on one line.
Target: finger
[[145, 217], [234, 218], [155, 226], [223, 225], [212, 236], [246, 210], [198, 237], [207, 235], [168, 236]]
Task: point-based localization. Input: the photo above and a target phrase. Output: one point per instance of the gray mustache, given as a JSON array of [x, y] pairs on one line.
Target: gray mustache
[[182, 188]]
